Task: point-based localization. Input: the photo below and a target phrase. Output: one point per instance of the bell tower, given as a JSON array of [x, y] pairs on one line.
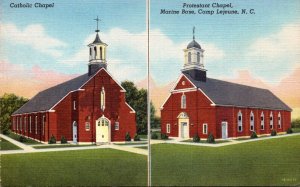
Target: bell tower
[[193, 60], [97, 53]]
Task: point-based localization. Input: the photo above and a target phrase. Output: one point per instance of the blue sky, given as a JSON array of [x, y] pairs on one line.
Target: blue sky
[[55, 39]]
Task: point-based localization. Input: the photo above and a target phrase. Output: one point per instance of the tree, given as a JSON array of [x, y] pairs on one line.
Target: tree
[[8, 104], [137, 99]]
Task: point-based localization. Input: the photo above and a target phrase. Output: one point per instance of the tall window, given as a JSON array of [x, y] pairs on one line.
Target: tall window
[[183, 101], [74, 105], [25, 123], [90, 51], [43, 125], [21, 123], [271, 120], [262, 121], [240, 122], [17, 123], [189, 57], [251, 121], [204, 128], [36, 121], [102, 99], [95, 52], [198, 57], [168, 128], [14, 123], [30, 124], [117, 126], [279, 120]]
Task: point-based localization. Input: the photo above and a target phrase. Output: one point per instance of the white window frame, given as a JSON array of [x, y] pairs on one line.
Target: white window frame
[[262, 121], [279, 121], [87, 126], [36, 121], [240, 122], [252, 121], [17, 123], [14, 123], [168, 128], [30, 124], [204, 128], [271, 121], [102, 99], [183, 101], [74, 105], [43, 125], [117, 126], [21, 124]]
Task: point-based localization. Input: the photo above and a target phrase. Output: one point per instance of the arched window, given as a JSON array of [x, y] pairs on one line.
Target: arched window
[[183, 101], [251, 121], [36, 121], [271, 120], [101, 53], [25, 123], [198, 57], [262, 121], [189, 57], [95, 52], [43, 124], [21, 123], [102, 99], [279, 120], [240, 121], [30, 124]]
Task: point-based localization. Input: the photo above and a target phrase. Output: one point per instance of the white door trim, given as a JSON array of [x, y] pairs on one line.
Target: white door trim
[[224, 134], [98, 129]]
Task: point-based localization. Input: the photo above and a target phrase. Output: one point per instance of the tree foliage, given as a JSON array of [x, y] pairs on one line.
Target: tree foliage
[[296, 123], [8, 104], [137, 99]]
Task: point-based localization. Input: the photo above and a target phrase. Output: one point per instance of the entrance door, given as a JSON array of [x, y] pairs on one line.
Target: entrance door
[[102, 130], [224, 130], [74, 132], [184, 130]]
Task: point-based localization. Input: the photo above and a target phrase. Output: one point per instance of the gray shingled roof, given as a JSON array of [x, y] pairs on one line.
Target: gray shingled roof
[[227, 93], [46, 99]]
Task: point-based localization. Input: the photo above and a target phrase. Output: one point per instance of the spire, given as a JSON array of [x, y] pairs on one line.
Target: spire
[[194, 33]]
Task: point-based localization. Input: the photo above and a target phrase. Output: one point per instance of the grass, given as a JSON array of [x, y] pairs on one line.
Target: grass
[[60, 146], [269, 162], [131, 143], [204, 141], [17, 137], [96, 167], [6, 145], [143, 147]]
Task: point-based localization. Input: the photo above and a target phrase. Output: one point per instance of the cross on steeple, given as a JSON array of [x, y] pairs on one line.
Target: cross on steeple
[[194, 33], [97, 19]]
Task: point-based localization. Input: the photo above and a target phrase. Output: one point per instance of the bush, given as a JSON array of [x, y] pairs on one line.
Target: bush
[[210, 138], [136, 137], [273, 133], [127, 137], [289, 131], [22, 139], [253, 135], [63, 140], [296, 123], [52, 140], [164, 136], [6, 131], [196, 138], [154, 136]]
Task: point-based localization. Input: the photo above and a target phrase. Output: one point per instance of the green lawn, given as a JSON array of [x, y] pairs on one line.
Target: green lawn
[[97, 167], [61, 146], [204, 141], [17, 137], [6, 145], [267, 162]]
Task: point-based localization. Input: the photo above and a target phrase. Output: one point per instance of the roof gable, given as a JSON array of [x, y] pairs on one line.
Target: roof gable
[[183, 83]]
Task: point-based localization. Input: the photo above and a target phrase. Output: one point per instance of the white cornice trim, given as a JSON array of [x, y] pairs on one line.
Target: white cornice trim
[[182, 75], [184, 90], [132, 110], [212, 103], [162, 106]]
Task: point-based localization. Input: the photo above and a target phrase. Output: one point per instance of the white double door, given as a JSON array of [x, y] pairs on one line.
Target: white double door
[[103, 130]]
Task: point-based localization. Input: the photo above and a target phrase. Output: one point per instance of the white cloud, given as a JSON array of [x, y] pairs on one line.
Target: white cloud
[[33, 35]]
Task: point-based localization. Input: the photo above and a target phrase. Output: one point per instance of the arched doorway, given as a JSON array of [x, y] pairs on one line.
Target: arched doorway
[[183, 125], [103, 130], [74, 132]]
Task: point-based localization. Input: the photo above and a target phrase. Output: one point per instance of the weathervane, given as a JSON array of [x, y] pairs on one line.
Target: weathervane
[[97, 19], [194, 33]]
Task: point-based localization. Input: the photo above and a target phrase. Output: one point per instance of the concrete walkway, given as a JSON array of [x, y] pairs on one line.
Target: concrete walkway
[[17, 143], [231, 141]]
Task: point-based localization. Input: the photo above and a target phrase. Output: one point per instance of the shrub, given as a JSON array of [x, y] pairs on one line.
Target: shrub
[[289, 131], [22, 139], [164, 136], [52, 140], [63, 140], [154, 136], [273, 133], [136, 137], [210, 138], [196, 138], [127, 137], [296, 123], [6, 131], [253, 135]]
